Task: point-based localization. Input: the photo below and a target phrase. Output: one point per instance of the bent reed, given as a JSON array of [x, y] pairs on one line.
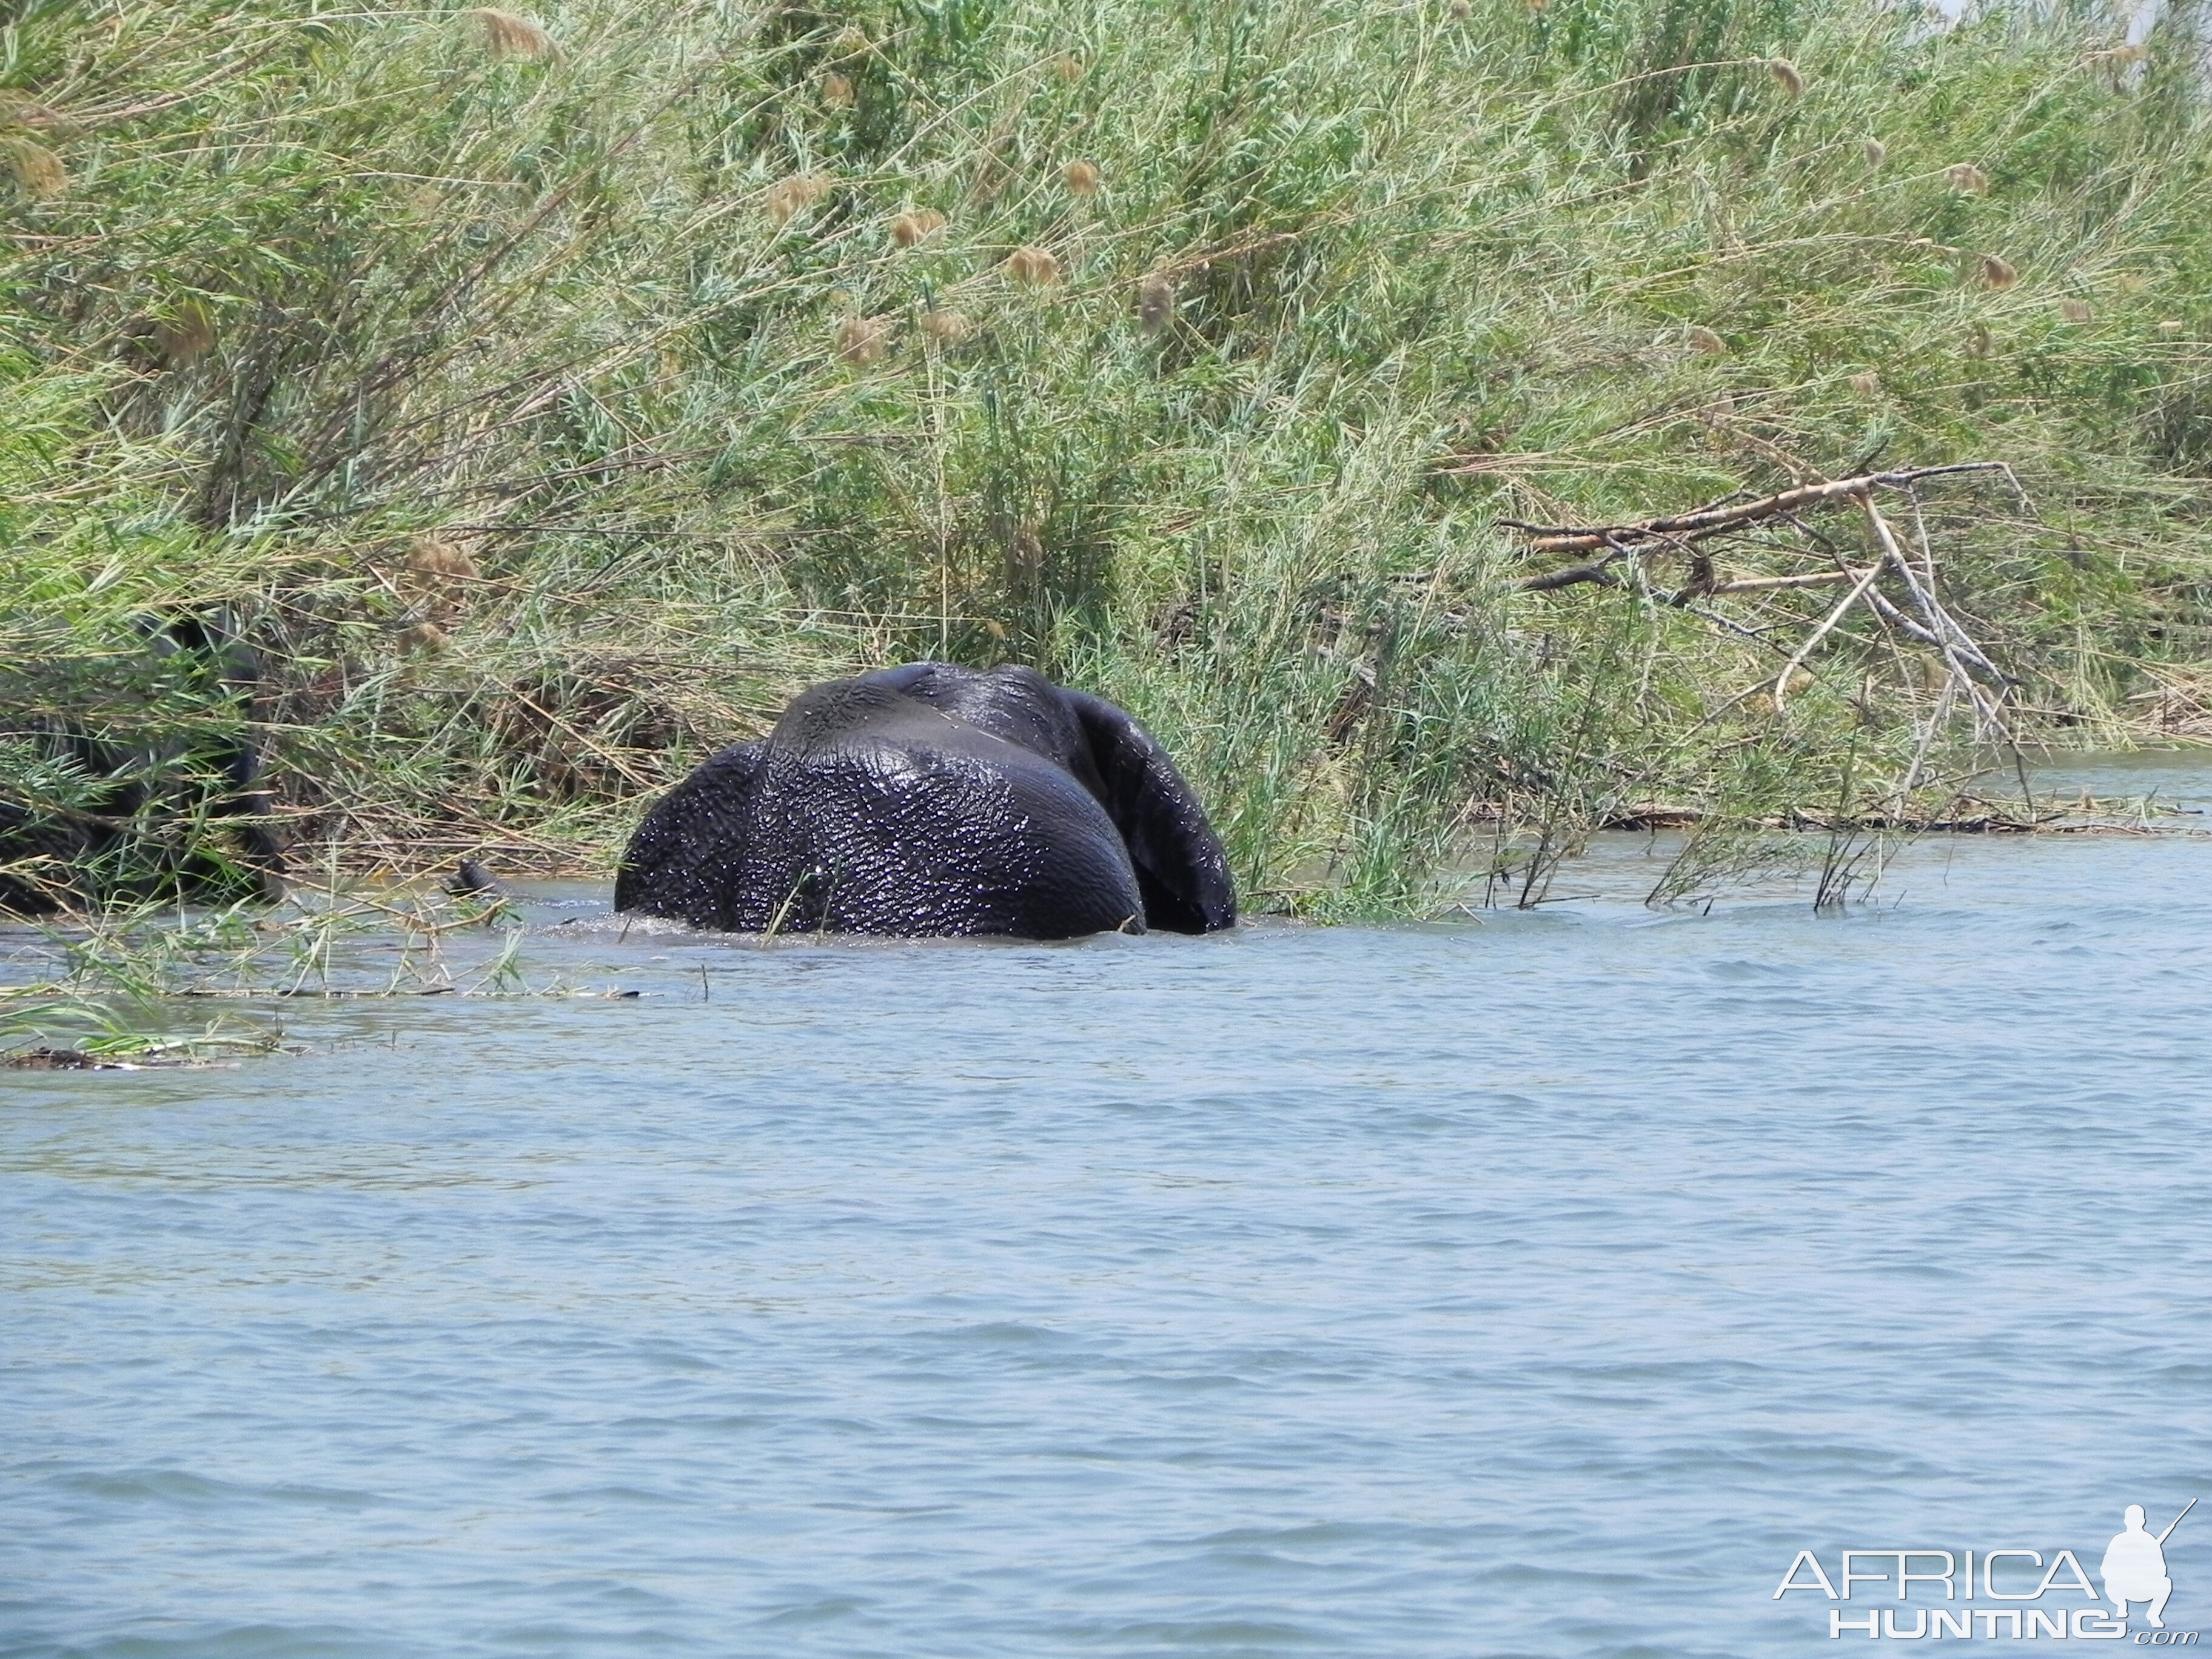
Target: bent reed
[[559, 392]]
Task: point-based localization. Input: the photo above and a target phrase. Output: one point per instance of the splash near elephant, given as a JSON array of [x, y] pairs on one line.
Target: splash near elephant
[[932, 800]]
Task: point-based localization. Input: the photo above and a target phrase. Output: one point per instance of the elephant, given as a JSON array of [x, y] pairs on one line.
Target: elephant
[[126, 805], [932, 800]]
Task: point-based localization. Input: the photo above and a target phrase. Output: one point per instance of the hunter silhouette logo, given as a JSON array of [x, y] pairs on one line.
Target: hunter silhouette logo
[[2135, 1567], [2134, 1573]]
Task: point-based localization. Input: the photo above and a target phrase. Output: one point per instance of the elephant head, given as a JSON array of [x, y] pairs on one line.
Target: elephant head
[[935, 801]]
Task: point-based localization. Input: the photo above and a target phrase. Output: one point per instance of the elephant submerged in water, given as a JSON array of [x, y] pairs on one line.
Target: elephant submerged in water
[[932, 800]]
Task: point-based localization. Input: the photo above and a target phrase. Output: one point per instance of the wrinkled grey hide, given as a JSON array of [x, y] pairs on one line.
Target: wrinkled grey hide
[[935, 801]]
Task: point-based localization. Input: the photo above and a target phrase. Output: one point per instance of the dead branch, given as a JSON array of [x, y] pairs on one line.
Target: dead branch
[[1769, 583], [1826, 623], [1719, 519], [1595, 571], [1915, 611]]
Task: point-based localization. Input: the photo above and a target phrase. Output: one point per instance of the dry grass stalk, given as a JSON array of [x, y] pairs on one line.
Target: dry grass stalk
[[794, 194], [1033, 266], [863, 340], [917, 225], [991, 173], [509, 35]]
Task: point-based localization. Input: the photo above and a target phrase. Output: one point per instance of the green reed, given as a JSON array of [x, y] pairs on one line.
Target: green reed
[[558, 393]]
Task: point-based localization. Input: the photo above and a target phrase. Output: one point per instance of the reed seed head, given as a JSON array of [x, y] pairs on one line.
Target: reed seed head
[[509, 35], [946, 328], [1866, 383], [794, 194], [1460, 10], [1082, 178], [2076, 310], [1981, 343], [424, 637], [1156, 302], [186, 334], [1033, 266], [836, 91], [1965, 178], [1703, 340], [433, 560], [852, 40], [1068, 67], [863, 340], [1786, 77], [917, 225], [1874, 150], [1997, 273], [37, 170]]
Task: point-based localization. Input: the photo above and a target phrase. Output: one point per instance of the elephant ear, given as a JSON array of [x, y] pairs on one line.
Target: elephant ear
[[1181, 871], [682, 861]]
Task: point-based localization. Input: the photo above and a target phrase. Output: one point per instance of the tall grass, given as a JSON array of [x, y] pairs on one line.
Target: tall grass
[[560, 392]]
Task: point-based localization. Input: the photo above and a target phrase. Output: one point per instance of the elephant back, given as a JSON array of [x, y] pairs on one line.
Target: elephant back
[[912, 822]]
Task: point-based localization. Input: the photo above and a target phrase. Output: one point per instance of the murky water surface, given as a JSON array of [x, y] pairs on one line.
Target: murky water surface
[[1539, 1285]]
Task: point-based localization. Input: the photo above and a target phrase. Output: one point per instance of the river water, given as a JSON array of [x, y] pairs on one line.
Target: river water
[[1538, 1284]]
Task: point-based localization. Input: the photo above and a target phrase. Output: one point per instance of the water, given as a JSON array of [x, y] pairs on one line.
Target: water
[[1534, 1285]]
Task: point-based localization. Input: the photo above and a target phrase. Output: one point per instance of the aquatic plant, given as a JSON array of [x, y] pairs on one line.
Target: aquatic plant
[[560, 390], [134, 981]]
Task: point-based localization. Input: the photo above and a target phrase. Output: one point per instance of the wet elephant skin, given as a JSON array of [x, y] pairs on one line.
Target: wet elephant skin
[[933, 800]]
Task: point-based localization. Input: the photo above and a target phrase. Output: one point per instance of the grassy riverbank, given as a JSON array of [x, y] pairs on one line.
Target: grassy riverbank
[[558, 393]]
